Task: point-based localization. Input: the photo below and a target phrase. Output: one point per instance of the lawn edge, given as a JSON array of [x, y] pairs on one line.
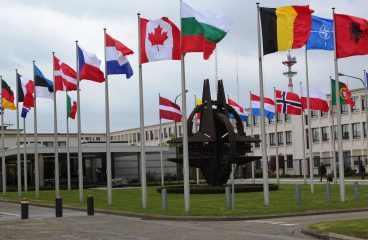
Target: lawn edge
[[326, 235]]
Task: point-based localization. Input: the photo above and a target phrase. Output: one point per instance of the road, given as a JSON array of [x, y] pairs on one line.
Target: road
[[76, 225]]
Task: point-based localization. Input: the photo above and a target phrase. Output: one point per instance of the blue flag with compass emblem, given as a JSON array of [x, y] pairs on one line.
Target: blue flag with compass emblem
[[321, 35]]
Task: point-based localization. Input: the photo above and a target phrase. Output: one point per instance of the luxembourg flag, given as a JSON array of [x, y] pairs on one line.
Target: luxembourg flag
[[269, 106], [239, 109], [116, 60], [89, 66]]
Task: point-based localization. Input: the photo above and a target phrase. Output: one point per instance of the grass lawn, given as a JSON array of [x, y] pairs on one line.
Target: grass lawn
[[282, 201], [354, 228]]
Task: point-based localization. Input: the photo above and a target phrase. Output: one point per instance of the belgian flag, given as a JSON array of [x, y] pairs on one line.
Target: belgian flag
[[285, 28], [7, 96]]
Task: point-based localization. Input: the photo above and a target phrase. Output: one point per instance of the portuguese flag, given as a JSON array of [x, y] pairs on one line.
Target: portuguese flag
[[344, 92], [201, 30], [7, 97], [71, 110], [285, 28]]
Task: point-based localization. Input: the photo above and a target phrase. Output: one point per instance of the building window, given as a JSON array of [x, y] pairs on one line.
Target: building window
[[364, 130], [169, 131], [257, 144], [314, 114], [346, 156], [280, 138], [315, 134], [363, 103], [344, 108], [272, 139], [156, 134], [138, 137], [48, 144], [279, 117], [356, 130], [180, 131], [62, 144], [324, 114], [289, 161], [288, 137], [271, 120], [324, 131], [165, 132], [98, 139], [255, 120], [356, 105], [147, 136], [345, 131], [287, 117], [151, 135], [134, 137]]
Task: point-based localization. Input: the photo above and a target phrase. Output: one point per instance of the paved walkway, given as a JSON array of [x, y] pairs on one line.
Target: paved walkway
[[76, 225]]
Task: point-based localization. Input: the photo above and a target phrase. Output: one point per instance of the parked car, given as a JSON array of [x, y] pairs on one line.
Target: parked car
[[50, 182], [119, 182]]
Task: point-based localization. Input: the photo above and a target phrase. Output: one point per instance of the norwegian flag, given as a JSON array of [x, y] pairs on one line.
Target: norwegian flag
[[288, 102]]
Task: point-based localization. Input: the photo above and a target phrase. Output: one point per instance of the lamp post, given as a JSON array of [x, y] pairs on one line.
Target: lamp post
[[176, 133], [366, 102]]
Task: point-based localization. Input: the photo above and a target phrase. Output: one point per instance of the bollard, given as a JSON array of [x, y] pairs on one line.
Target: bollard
[[233, 167], [164, 198], [356, 191], [227, 197], [58, 207], [328, 192], [297, 193], [24, 208], [90, 205]]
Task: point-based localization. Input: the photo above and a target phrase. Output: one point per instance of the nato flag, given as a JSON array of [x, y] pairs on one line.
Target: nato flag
[[321, 36]]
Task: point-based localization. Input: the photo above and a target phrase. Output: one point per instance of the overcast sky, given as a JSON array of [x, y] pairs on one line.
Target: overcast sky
[[31, 30]]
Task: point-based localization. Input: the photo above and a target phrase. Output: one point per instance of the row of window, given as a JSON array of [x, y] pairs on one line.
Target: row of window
[[46, 143], [281, 136], [354, 128]]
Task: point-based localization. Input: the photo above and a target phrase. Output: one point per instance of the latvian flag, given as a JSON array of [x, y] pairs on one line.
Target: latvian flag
[[169, 110], [65, 76], [288, 102]]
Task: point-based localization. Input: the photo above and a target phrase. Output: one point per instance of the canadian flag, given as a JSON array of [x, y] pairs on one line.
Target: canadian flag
[[169, 110], [65, 76], [160, 40], [317, 98]]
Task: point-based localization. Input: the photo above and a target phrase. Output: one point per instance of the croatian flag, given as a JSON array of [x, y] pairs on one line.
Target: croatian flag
[[269, 106], [239, 109], [116, 60], [89, 66]]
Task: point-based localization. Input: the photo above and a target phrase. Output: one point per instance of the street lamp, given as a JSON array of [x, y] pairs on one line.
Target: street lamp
[[366, 102], [176, 133]]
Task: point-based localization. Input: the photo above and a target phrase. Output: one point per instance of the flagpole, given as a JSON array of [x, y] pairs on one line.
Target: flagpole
[[262, 120], [237, 77], [277, 140], [311, 160], [303, 141], [366, 103], [195, 130], [108, 140], [185, 132], [160, 140], [19, 170], [80, 159], [338, 111], [25, 156], [56, 147], [252, 135], [37, 173], [141, 110], [333, 142], [3, 167], [67, 146]]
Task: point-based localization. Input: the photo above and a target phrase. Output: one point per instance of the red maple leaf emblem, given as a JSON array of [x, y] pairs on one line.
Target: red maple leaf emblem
[[157, 37]]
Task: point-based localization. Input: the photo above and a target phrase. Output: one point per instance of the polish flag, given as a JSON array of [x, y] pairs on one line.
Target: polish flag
[[317, 98], [169, 110], [65, 76], [89, 66]]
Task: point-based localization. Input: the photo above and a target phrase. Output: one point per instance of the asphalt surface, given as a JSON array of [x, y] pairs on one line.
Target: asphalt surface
[[42, 224]]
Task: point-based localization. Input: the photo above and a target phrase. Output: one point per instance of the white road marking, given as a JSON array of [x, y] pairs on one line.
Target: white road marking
[[9, 214], [272, 222]]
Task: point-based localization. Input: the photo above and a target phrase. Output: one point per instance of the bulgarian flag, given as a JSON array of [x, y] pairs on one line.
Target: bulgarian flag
[[201, 30], [70, 109], [344, 93]]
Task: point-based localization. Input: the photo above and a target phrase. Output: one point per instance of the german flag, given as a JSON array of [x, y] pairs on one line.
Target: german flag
[[7, 100], [285, 28]]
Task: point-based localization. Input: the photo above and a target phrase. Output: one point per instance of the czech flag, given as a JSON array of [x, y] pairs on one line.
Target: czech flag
[[89, 66]]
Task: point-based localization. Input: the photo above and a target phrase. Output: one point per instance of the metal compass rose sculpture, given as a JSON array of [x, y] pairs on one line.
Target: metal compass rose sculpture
[[216, 145]]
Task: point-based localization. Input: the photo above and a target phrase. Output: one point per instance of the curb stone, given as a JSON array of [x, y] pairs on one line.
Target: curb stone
[[326, 236]]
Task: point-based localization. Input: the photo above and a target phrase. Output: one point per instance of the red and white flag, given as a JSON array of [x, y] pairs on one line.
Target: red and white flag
[[317, 98], [65, 76], [160, 40], [169, 110], [288, 102]]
